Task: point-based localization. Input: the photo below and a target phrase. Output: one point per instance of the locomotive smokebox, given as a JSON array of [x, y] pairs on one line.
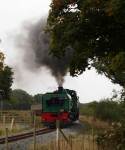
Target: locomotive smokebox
[[60, 88]]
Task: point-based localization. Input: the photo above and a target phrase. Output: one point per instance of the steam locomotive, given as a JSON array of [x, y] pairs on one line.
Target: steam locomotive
[[59, 105]]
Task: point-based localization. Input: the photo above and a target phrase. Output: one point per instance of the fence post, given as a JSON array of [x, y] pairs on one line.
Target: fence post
[[57, 133], [88, 141], [4, 121], [6, 138], [34, 131], [67, 140], [12, 123], [83, 142], [32, 118], [70, 141], [93, 144], [4, 124]]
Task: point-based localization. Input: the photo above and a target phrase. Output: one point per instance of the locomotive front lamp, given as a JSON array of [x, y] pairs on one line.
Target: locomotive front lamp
[[61, 110]]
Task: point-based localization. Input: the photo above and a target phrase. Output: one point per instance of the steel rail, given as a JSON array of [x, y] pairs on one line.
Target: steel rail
[[25, 135]]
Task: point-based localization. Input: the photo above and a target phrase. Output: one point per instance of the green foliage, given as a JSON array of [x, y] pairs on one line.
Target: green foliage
[[112, 139], [1, 60], [109, 110], [113, 67], [88, 109], [37, 98], [6, 78], [106, 110], [6, 81], [95, 30], [20, 99]]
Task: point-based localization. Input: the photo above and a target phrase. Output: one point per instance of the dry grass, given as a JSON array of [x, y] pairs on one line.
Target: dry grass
[[93, 122], [85, 142], [20, 116], [23, 121]]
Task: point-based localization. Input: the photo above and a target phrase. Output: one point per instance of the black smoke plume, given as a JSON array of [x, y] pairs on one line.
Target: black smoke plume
[[35, 44]]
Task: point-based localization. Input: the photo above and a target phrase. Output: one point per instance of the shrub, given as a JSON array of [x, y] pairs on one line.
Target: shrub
[[113, 139]]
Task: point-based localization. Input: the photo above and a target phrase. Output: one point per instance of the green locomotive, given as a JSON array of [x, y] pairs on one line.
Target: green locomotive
[[60, 105]]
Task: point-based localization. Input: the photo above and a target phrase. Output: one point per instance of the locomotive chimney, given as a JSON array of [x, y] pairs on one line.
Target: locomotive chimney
[[60, 88]]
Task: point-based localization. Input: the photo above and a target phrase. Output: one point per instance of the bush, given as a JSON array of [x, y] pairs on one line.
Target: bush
[[88, 109], [108, 110], [113, 139]]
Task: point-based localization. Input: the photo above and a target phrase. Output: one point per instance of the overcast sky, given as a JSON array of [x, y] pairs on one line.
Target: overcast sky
[[13, 15]]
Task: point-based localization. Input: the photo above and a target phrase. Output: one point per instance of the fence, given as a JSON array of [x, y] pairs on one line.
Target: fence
[[83, 142], [17, 121], [63, 141]]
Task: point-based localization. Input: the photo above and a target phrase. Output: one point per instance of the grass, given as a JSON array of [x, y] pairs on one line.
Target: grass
[[85, 139], [84, 142], [95, 124], [23, 122]]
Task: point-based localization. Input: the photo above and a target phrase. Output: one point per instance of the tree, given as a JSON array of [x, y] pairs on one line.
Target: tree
[[20, 99], [95, 30], [38, 98], [6, 77], [6, 81], [1, 61]]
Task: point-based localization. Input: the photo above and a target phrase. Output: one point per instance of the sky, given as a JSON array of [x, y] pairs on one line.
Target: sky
[[13, 15]]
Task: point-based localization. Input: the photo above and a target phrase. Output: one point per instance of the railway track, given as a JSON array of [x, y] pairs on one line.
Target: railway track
[[25, 135]]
